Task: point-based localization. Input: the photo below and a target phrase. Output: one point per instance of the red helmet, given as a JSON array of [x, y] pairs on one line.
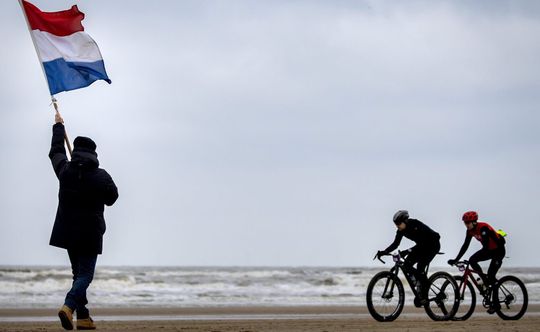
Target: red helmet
[[470, 216]]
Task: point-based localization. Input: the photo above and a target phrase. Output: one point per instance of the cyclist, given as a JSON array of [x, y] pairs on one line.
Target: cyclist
[[493, 247], [426, 248]]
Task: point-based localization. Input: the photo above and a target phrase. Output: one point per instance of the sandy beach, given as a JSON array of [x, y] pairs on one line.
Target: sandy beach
[[224, 319]]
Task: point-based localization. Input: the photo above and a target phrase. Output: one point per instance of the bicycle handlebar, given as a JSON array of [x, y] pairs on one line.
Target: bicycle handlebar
[[379, 258], [461, 265], [396, 256]]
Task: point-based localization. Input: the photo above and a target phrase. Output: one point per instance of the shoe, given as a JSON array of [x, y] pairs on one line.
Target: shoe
[[493, 309], [66, 317], [86, 324]]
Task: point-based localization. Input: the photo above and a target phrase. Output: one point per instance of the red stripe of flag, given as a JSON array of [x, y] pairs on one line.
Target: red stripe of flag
[[62, 23]]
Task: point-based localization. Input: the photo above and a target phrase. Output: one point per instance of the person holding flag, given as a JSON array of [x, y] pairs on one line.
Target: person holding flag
[[79, 226], [70, 60]]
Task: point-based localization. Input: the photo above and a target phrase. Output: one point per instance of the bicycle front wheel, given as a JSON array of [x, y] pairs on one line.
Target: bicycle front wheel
[[443, 297], [467, 299], [385, 296], [511, 297]]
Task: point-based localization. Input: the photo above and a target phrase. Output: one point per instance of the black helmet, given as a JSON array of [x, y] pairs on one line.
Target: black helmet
[[401, 216]]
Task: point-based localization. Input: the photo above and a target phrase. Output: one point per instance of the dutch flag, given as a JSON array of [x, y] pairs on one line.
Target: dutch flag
[[71, 58]]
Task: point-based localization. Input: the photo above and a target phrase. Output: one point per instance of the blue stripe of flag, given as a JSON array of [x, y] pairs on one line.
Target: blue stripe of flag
[[66, 76]]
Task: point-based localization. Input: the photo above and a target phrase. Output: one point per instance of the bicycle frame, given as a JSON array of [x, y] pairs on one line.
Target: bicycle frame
[[468, 276], [399, 265]]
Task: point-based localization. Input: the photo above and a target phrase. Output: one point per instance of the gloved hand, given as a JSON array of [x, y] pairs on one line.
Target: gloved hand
[[452, 261], [381, 253]]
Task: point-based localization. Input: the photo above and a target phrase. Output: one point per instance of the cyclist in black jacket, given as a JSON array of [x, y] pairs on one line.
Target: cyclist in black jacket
[[426, 248]]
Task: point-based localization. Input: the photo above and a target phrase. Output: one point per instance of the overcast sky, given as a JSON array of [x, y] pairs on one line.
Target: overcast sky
[[283, 132]]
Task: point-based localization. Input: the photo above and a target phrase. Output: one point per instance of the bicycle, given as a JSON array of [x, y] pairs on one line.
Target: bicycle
[[385, 296], [508, 297]]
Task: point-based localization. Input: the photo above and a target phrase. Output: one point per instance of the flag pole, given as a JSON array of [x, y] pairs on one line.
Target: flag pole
[[54, 101]]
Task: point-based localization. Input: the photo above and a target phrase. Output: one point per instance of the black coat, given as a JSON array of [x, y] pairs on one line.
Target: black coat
[[84, 191], [418, 232]]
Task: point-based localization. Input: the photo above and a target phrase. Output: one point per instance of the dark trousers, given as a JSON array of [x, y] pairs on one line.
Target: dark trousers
[[82, 267], [496, 257], [422, 256]]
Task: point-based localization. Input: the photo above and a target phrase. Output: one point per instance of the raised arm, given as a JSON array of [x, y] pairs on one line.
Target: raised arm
[[57, 154]]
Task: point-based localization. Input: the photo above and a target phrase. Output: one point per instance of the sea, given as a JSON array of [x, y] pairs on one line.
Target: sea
[[128, 287]]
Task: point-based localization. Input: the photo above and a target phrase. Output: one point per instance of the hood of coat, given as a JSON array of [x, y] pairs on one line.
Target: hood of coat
[[84, 153], [85, 158]]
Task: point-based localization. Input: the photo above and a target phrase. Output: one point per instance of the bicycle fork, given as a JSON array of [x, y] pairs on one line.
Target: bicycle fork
[[389, 289]]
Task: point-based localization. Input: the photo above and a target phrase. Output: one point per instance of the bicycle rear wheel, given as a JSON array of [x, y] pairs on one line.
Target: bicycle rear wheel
[[443, 297], [385, 296], [467, 299], [511, 295]]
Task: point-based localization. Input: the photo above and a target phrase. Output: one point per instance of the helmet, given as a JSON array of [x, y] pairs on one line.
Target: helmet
[[401, 216], [470, 216]]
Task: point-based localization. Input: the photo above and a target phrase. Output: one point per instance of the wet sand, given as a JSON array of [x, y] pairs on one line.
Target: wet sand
[[252, 319]]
